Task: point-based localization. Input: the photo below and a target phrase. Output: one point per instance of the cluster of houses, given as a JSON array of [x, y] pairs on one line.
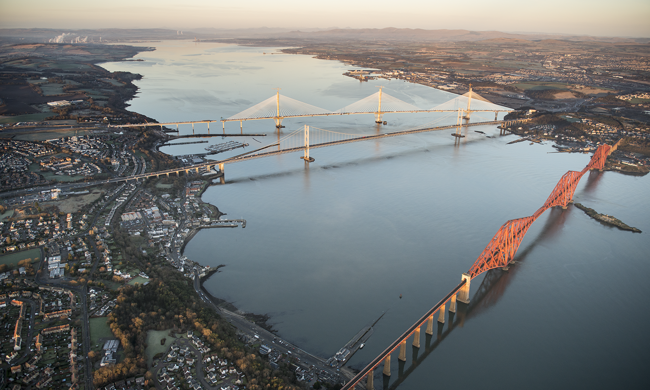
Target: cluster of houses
[[85, 145], [70, 166], [30, 233], [47, 305], [182, 360]]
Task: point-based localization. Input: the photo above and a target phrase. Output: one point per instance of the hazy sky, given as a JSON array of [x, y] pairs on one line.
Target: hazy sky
[[590, 17]]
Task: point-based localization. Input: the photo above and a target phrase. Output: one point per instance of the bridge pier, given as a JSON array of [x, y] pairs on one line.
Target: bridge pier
[[402, 351], [441, 314], [387, 366], [370, 385], [463, 293], [416, 338], [429, 330], [452, 304], [222, 178]]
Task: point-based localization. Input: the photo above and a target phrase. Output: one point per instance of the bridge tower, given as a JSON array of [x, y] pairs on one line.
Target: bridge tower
[[278, 118], [378, 113], [469, 102], [306, 156]]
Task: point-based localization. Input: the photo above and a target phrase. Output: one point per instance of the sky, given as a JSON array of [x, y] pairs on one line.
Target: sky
[[621, 18]]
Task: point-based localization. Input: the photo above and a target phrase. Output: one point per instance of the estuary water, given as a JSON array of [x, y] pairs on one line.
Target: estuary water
[[389, 226]]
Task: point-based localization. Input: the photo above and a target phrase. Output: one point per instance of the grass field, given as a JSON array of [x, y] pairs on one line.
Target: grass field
[[6, 214], [99, 331], [153, 343], [44, 135], [638, 101], [138, 279], [24, 118], [52, 89], [14, 258], [164, 186]]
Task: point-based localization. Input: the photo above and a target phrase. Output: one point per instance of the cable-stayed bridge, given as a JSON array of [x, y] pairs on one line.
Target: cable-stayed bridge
[[279, 107]]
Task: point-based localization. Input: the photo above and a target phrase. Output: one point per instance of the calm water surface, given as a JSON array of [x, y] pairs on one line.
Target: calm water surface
[[330, 247]]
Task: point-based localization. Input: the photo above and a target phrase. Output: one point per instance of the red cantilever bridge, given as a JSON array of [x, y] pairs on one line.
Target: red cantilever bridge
[[499, 252]]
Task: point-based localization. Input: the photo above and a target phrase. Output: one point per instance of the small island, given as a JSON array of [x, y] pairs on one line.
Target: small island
[[608, 219]]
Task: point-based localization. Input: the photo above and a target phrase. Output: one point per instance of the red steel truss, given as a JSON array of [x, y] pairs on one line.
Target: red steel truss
[[504, 245]]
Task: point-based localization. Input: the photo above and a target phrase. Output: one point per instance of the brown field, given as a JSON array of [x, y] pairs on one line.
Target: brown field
[[75, 203], [594, 91], [564, 95], [28, 46]]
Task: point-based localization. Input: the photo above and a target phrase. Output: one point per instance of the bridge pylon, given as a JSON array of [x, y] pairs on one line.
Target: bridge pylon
[[378, 113], [469, 103], [306, 155], [278, 118]]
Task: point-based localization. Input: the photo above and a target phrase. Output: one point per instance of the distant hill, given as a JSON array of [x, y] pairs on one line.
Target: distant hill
[[389, 34], [407, 34]]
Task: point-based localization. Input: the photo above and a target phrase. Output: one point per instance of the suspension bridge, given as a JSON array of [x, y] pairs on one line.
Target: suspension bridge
[[499, 253], [280, 107], [306, 138]]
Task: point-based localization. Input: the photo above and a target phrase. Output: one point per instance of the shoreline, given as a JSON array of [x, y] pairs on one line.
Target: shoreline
[[262, 320]]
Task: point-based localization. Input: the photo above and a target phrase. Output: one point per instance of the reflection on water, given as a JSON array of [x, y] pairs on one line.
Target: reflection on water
[[490, 291], [331, 245]]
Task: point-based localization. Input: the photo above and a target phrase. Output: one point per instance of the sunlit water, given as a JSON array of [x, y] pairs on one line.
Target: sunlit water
[[328, 248]]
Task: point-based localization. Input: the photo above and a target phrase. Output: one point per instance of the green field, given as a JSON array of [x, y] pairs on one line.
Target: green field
[[153, 343], [138, 279], [99, 331], [638, 101], [14, 258], [6, 214], [164, 186], [51, 134], [24, 118], [533, 85], [52, 89]]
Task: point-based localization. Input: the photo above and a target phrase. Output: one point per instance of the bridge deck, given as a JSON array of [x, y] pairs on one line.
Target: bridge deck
[[210, 164], [376, 361], [351, 113]]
